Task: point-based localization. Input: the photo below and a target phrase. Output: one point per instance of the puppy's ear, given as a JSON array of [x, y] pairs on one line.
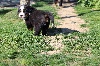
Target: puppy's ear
[[33, 9], [18, 9], [30, 9]]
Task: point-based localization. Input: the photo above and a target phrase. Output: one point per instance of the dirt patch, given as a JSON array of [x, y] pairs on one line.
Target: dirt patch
[[69, 22], [69, 19]]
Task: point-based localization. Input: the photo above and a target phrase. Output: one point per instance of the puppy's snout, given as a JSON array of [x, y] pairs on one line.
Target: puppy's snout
[[21, 15]]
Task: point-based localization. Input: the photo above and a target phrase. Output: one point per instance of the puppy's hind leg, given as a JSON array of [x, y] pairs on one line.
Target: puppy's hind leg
[[44, 30]]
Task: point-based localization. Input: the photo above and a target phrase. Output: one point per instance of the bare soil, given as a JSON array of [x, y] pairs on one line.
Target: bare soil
[[69, 22]]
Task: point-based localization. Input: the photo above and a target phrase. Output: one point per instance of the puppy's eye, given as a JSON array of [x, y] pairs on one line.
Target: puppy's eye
[[19, 10], [23, 10]]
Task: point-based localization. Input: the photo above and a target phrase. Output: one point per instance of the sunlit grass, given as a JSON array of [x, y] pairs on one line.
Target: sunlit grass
[[19, 47]]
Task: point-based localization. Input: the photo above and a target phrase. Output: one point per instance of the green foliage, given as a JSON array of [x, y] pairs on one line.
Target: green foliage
[[78, 41], [3, 11], [39, 4], [17, 44], [14, 37], [85, 46], [83, 25], [84, 41], [19, 47], [89, 3], [9, 15]]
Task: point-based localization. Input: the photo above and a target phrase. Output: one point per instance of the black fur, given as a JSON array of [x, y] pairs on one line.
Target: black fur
[[38, 19]]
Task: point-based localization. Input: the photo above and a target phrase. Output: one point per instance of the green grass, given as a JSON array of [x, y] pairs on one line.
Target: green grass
[[3, 11], [19, 47], [85, 45]]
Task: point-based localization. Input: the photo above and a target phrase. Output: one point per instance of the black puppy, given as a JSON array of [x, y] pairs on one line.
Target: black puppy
[[37, 19]]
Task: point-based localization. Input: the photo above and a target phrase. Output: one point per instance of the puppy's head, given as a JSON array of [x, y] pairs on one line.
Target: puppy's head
[[24, 11]]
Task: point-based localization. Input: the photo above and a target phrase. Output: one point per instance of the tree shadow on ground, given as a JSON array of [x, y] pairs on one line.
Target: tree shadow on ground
[[68, 6], [72, 5], [67, 17], [4, 11], [56, 31], [81, 14]]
